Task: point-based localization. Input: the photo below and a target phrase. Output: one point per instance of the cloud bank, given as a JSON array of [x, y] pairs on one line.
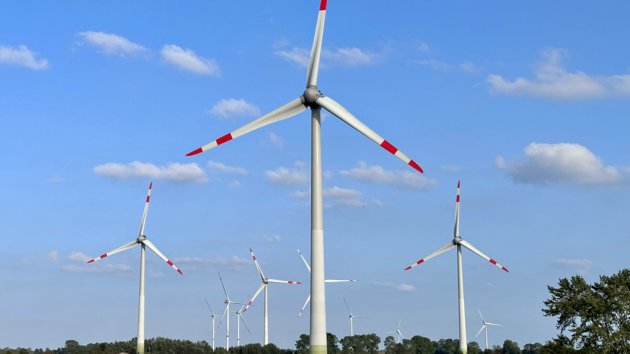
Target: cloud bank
[[177, 172], [112, 44], [22, 56], [186, 59]]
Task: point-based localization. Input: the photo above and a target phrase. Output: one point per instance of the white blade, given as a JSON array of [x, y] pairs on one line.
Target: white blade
[[227, 297], [348, 307], [146, 209], [313, 61], [222, 317], [308, 299], [339, 280], [480, 254], [443, 249], [240, 316], [480, 315], [250, 302], [308, 266], [338, 110], [260, 272], [119, 249], [276, 281], [456, 230], [157, 251], [287, 111], [400, 334], [210, 308], [480, 329], [492, 324]]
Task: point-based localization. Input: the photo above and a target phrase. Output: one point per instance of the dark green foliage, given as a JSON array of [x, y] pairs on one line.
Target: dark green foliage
[[596, 316], [510, 347], [363, 343], [302, 345]]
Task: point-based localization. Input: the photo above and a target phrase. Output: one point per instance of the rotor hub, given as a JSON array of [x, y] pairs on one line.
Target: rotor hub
[[310, 96], [141, 238]]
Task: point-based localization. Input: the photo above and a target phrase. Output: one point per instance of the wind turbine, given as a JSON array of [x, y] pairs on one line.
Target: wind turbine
[[227, 303], [213, 316], [313, 98], [143, 241], [459, 242], [398, 333], [265, 285], [239, 318], [485, 326], [351, 317], [308, 267]]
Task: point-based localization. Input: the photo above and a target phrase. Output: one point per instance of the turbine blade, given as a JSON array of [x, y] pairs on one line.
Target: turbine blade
[[480, 254], [210, 308], [146, 209], [227, 297], [480, 329], [161, 255], [119, 249], [250, 302], [338, 110], [456, 229], [480, 315], [313, 61], [443, 249], [222, 317], [243, 320], [492, 324], [287, 111], [308, 299], [276, 281], [339, 280], [348, 307], [260, 272], [304, 260], [401, 335]]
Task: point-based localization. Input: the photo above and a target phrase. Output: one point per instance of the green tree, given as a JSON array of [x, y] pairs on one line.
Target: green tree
[[597, 316], [530, 348], [473, 348], [510, 347]]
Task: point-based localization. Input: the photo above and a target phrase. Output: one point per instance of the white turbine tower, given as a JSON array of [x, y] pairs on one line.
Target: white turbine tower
[[308, 267], [351, 317], [239, 319], [485, 326], [459, 242], [265, 285], [213, 316], [143, 242], [312, 98], [227, 303]]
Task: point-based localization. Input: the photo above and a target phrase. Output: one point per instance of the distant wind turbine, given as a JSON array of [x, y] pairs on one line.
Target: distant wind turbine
[[308, 267], [239, 319], [398, 333], [213, 316], [314, 99], [485, 326], [265, 285], [227, 303], [459, 242], [143, 241], [351, 317]]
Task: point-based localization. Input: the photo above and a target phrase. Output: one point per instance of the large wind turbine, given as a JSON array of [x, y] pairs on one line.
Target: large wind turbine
[[459, 242], [227, 303], [213, 316], [398, 333], [485, 326], [313, 98], [308, 267], [143, 242], [265, 285]]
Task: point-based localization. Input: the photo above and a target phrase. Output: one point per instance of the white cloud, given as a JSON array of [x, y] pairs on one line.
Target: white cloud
[[340, 196], [560, 163], [233, 263], [288, 176], [400, 287], [186, 59], [444, 66], [112, 44], [220, 167], [177, 172], [273, 140], [21, 56], [348, 56], [78, 265], [78, 256], [271, 238], [377, 174], [53, 255], [234, 108], [552, 80], [576, 265], [450, 168]]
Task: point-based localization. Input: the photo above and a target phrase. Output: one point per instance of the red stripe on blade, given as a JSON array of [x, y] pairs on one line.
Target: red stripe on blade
[[458, 184], [150, 185], [408, 268], [180, 272], [457, 199], [103, 256], [417, 167], [493, 261], [322, 5], [420, 261], [389, 147], [169, 262], [227, 137], [90, 261], [195, 152], [505, 269], [148, 198]]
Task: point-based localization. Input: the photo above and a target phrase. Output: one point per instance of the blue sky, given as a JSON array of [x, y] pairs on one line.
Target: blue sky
[[526, 104]]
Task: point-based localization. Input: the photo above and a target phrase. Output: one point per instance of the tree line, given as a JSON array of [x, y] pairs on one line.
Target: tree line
[[592, 319]]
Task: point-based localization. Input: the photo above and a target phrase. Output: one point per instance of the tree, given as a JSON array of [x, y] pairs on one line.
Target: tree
[[302, 345], [419, 345], [530, 348], [510, 347], [473, 348], [364, 343], [597, 316]]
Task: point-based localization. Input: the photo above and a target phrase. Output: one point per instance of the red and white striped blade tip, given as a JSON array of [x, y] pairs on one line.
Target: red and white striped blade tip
[[195, 152], [413, 265], [458, 183], [97, 259], [393, 150], [492, 261], [322, 5]]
